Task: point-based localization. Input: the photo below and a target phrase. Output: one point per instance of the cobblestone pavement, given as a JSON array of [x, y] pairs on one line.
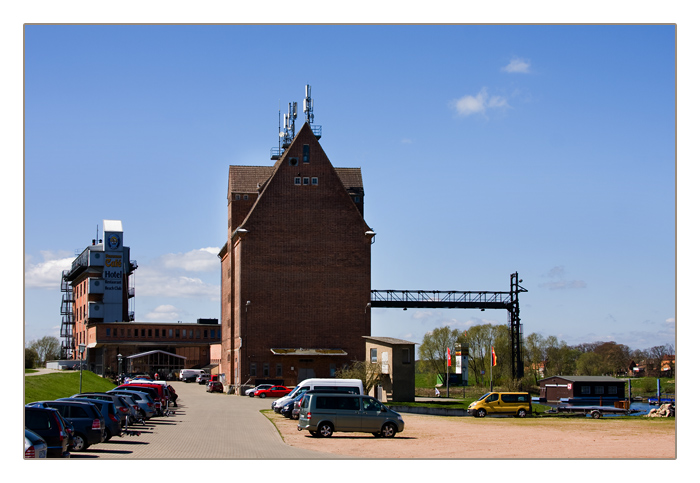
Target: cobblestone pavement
[[205, 426]]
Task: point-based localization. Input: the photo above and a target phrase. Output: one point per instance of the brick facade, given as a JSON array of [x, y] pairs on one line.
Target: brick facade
[[298, 256]]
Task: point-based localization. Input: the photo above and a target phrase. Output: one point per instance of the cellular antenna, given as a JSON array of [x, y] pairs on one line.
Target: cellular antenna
[[309, 106]]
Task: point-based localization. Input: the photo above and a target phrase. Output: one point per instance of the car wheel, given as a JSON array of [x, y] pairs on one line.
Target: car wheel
[[481, 413], [388, 430], [262, 395], [251, 394], [79, 443], [325, 430], [522, 413], [595, 414]]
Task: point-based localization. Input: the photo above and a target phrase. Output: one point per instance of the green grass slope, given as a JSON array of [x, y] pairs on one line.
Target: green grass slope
[[53, 386]]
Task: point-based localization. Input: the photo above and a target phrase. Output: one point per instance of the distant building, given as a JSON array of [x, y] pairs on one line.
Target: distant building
[[582, 389], [97, 291], [295, 268], [396, 358]]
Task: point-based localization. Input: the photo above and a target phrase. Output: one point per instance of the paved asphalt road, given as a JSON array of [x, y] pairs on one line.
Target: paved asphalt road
[[205, 426]]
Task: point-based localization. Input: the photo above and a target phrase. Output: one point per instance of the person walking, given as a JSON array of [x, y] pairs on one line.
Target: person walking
[[437, 392]]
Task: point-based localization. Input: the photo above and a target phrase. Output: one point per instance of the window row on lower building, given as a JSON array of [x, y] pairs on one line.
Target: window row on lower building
[[211, 334]]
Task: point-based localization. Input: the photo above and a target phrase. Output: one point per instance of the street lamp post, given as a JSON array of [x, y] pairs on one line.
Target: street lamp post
[[119, 359], [81, 349]]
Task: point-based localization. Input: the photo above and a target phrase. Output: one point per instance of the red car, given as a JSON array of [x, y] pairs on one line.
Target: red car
[[274, 391]]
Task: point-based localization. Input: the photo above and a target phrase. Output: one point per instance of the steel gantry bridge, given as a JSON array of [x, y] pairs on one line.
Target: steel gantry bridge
[[451, 299]]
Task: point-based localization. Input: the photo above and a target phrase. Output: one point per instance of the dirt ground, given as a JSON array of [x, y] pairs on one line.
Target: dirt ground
[[465, 437]]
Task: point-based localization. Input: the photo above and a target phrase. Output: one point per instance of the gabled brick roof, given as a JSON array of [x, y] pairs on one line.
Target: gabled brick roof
[[246, 179]]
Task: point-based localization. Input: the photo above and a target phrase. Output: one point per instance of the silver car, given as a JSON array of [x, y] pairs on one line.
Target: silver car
[[323, 413]]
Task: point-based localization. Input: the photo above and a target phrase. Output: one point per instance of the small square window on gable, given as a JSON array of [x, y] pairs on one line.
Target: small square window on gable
[[306, 181], [314, 181], [305, 156], [297, 181]]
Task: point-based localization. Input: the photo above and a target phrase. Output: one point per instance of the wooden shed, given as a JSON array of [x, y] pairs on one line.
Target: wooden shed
[[582, 389]]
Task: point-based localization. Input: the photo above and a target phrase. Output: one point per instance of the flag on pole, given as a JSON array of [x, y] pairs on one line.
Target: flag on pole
[[449, 359], [493, 357]]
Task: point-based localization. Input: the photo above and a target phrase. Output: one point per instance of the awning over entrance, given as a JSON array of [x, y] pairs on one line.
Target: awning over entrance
[[152, 362], [309, 352]]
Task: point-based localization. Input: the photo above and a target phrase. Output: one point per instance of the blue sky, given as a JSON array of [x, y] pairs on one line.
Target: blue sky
[[547, 150]]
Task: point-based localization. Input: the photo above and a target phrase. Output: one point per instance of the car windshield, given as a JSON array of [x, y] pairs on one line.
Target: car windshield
[[482, 397]]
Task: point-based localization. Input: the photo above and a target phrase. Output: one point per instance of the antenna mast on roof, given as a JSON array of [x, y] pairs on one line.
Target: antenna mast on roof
[[309, 105]]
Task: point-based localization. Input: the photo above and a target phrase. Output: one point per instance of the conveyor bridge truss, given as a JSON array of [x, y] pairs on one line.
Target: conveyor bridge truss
[[452, 299]]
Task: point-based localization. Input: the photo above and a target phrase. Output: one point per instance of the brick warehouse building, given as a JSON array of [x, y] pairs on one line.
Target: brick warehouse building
[[295, 269]]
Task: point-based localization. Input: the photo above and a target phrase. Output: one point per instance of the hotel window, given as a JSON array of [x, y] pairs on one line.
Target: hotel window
[[373, 355], [297, 181], [253, 369], [177, 332], [600, 389], [266, 370], [585, 389], [245, 197], [108, 332], [191, 334], [306, 181], [278, 372], [196, 333], [206, 333], [157, 332], [612, 389], [143, 333], [170, 332], [150, 333], [238, 197], [305, 156], [314, 181]]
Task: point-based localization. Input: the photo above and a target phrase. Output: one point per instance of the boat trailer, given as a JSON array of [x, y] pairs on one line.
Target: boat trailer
[[596, 412]]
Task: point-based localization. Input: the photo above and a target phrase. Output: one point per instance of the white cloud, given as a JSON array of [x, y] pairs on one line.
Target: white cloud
[[478, 104], [560, 283], [517, 66], [200, 260], [152, 282], [47, 273], [163, 313]]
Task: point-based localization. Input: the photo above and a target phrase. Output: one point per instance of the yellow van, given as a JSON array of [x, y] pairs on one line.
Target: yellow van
[[517, 403]]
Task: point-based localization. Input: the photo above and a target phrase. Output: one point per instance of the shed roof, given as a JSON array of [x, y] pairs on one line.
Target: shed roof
[[154, 352], [389, 340], [586, 378]]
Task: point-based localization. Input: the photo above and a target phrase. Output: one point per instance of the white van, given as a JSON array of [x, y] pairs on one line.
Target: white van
[[190, 373], [320, 384]]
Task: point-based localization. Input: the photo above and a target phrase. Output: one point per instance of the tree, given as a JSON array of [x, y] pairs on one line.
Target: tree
[[30, 358], [590, 364], [433, 349], [370, 373], [47, 348], [479, 339]]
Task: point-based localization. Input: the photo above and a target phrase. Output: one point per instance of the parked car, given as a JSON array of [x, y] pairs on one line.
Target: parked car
[[160, 386], [289, 407], [123, 407], [274, 391], [323, 413], [34, 445], [109, 413], [215, 386], [87, 421], [48, 424], [203, 378], [251, 392], [145, 402], [154, 392]]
